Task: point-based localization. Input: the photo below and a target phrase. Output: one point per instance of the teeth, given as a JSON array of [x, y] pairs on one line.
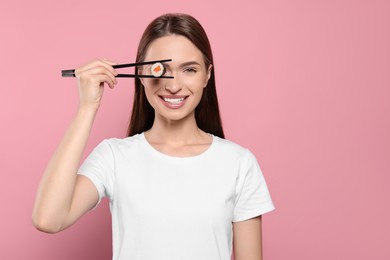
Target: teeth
[[174, 100]]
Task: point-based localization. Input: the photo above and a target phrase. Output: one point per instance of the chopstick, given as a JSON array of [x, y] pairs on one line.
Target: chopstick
[[71, 72]]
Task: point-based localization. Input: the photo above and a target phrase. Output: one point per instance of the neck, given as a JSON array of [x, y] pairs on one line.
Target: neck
[[184, 131]]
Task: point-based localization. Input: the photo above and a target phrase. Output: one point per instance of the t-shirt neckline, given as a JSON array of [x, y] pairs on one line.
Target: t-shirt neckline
[[153, 150]]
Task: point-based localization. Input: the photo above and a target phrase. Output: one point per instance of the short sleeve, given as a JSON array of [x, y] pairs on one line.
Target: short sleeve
[[252, 195], [99, 168]]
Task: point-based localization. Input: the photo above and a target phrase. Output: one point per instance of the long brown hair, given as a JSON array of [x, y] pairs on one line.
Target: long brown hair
[[207, 112]]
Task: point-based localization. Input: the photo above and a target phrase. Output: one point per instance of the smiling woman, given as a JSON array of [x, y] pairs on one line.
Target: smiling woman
[[186, 89], [207, 112], [177, 188]]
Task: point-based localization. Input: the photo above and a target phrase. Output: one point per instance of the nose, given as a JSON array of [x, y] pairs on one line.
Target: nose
[[173, 85]]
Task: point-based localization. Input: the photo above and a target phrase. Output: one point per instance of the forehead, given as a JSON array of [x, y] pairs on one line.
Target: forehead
[[175, 47]]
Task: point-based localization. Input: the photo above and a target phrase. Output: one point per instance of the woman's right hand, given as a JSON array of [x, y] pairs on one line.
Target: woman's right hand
[[91, 78], [63, 195]]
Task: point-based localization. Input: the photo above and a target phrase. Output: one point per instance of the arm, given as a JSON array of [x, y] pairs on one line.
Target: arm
[[247, 239], [63, 196]]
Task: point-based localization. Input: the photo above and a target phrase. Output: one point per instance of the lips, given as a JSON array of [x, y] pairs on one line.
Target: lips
[[172, 101]]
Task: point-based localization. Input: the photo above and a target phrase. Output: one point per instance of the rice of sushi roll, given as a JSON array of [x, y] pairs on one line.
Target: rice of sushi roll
[[157, 69]]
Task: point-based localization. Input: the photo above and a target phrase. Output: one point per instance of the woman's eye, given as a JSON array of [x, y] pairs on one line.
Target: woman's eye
[[189, 70]]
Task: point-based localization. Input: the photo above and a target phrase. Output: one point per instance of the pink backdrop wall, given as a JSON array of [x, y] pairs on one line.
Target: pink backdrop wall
[[304, 84]]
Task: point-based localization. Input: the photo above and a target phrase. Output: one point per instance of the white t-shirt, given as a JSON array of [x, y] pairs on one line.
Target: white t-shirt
[[173, 208]]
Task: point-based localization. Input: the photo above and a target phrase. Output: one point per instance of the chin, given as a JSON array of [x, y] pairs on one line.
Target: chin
[[176, 115]]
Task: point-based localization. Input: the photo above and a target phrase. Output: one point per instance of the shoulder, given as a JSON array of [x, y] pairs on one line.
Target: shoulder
[[226, 146], [119, 145], [123, 142]]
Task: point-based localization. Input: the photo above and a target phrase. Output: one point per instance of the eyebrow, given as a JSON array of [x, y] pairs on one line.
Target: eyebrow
[[184, 64]]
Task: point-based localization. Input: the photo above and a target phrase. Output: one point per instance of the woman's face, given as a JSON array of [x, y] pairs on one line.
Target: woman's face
[[175, 99]]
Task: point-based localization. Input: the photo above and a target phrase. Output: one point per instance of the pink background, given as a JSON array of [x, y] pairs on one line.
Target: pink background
[[304, 84]]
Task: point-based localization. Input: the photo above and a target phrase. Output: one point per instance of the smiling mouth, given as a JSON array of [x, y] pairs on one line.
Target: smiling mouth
[[173, 100]]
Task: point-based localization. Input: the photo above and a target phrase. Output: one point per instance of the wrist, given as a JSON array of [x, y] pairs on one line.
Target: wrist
[[88, 109]]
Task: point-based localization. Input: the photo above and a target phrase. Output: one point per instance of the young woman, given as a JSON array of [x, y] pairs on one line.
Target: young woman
[[178, 190]]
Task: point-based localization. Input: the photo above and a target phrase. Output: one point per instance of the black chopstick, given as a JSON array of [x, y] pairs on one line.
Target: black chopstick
[[142, 76], [70, 73], [138, 63]]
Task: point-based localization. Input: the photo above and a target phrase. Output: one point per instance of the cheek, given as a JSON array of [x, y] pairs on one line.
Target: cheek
[[151, 82], [150, 97], [195, 82]]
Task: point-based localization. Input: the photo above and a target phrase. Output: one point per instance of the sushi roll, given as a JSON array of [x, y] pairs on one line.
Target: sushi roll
[[157, 69]]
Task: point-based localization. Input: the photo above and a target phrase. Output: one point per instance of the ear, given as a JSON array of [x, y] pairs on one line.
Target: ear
[[208, 74], [141, 79]]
